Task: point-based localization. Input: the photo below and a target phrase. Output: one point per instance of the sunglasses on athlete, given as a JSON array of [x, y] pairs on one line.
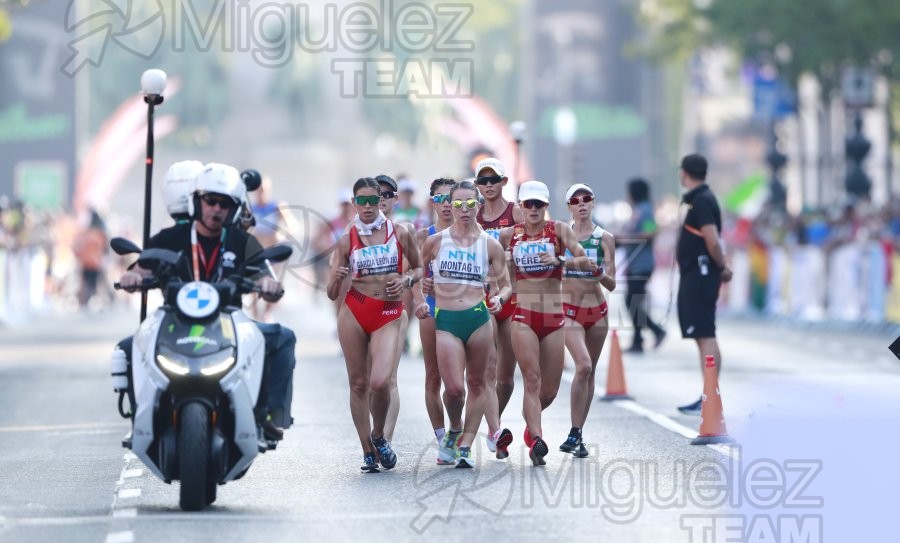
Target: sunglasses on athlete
[[534, 204], [575, 200], [470, 203], [364, 200]]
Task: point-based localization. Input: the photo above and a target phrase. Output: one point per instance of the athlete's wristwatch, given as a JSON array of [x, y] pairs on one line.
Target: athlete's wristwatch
[[562, 260], [409, 281]]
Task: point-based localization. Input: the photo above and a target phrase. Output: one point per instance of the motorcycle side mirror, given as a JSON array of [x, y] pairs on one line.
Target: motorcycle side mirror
[[122, 246], [275, 253], [252, 179]]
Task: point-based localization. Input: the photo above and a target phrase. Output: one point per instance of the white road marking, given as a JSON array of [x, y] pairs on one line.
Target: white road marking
[[131, 474], [128, 512], [658, 418], [663, 420], [89, 427], [120, 537], [126, 493]]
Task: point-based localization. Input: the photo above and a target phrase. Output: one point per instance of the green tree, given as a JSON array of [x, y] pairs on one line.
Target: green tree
[[820, 38]]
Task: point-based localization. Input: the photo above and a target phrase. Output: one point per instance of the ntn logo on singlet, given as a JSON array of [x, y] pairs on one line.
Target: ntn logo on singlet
[[460, 254], [374, 251], [533, 248]]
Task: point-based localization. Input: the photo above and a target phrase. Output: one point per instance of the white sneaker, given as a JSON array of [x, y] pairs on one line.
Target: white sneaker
[[492, 441]]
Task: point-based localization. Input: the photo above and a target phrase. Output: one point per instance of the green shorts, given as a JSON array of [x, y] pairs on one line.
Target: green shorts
[[462, 324]]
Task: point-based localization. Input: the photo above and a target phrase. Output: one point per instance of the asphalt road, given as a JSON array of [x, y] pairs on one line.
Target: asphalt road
[[816, 415]]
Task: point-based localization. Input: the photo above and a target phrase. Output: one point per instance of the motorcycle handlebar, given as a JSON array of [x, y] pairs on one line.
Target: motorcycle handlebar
[[148, 283]]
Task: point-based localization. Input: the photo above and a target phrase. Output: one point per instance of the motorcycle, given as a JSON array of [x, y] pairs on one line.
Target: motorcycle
[[195, 376]]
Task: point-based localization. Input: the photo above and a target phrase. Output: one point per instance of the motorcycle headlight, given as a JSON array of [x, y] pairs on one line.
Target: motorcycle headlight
[[173, 363], [217, 363], [209, 365]]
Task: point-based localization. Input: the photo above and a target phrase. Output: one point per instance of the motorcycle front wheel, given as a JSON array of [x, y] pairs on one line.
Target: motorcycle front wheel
[[193, 456]]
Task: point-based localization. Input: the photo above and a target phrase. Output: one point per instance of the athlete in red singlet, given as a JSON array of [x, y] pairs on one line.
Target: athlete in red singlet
[[536, 247]]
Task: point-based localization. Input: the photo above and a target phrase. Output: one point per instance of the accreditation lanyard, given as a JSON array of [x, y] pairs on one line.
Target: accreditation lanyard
[[199, 256]]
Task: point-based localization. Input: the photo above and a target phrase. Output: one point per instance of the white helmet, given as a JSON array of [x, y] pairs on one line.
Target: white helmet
[[179, 184], [219, 179]]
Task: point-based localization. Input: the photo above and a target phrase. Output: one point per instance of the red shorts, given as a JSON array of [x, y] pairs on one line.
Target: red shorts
[[372, 313], [507, 310], [586, 316], [542, 323]]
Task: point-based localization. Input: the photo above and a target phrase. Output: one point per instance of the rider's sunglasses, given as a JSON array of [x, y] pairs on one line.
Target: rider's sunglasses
[[373, 200], [492, 179], [388, 194], [440, 198], [534, 204], [575, 200], [470, 203], [224, 202]]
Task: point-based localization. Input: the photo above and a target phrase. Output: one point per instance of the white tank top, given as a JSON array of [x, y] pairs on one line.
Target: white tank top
[[366, 260], [461, 265]]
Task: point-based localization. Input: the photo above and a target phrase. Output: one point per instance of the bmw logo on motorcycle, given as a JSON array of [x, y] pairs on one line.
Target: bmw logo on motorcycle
[[197, 299]]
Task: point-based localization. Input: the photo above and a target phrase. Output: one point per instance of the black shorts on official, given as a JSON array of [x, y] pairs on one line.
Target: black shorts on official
[[697, 296]]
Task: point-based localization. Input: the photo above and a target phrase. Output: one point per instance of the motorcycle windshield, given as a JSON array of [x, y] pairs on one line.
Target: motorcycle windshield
[[194, 338]]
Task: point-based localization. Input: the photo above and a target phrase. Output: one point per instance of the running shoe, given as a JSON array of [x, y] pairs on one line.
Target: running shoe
[[464, 458], [571, 443], [448, 450], [369, 464], [503, 442], [386, 456], [529, 441], [693, 408], [538, 451], [492, 441], [582, 451]]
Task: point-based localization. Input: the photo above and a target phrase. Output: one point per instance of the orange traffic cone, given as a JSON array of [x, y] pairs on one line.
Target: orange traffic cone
[[615, 373], [712, 421]]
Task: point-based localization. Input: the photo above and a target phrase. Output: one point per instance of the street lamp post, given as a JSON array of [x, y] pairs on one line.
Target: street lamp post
[[153, 83], [517, 130], [857, 147], [777, 161]]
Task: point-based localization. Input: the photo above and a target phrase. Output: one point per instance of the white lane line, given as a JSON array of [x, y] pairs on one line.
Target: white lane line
[[658, 418], [126, 493], [131, 474], [663, 420], [129, 512], [89, 427], [120, 537]]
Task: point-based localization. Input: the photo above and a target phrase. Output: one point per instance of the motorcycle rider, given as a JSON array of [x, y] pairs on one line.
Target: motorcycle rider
[[216, 244]]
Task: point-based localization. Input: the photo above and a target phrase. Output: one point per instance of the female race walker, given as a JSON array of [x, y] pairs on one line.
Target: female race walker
[[537, 246], [585, 308], [462, 257], [440, 202], [371, 253], [490, 176]]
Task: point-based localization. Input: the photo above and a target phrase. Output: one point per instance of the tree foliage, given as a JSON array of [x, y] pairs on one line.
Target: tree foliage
[[818, 37]]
